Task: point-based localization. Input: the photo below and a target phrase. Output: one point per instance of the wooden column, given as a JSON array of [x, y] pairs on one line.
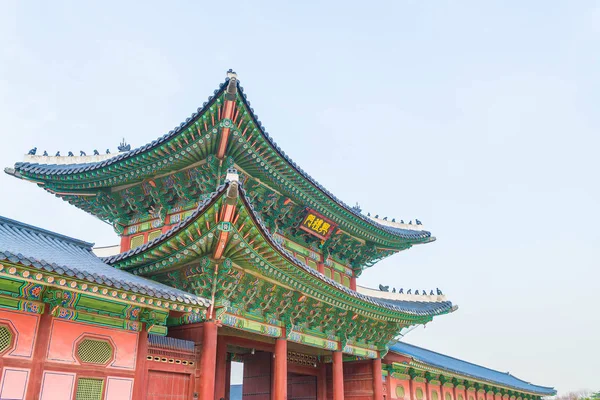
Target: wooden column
[[338, 376], [228, 379], [353, 282], [221, 368], [139, 383], [42, 340], [280, 370], [377, 382], [322, 383], [208, 361], [411, 389]]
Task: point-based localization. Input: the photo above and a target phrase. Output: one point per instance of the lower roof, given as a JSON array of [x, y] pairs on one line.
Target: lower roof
[[469, 370], [42, 249]]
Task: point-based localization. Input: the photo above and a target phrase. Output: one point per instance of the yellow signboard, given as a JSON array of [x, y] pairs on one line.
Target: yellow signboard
[[316, 224]]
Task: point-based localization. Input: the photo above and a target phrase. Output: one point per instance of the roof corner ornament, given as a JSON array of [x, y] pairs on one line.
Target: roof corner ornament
[[123, 146], [384, 288], [357, 208], [32, 151], [232, 175]]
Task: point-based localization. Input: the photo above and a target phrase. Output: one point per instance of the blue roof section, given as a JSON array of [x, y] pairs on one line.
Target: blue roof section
[[419, 308], [66, 169], [49, 251], [468, 369]]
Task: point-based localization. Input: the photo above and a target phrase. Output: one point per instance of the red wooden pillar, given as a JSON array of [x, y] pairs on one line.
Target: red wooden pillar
[[353, 282], [139, 383], [280, 370], [39, 354], [221, 368], [322, 383], [377, 380], [321, 268], [411, 389], [338, 376], [228, 379], [208, 361]]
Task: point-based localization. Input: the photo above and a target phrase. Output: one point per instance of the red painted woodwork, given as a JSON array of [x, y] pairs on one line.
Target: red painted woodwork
[[353, 282], [338, 376], [377, 380], [227, 379], [280, 371], [139, 385], [208, 361], [358, 380], [227, 114], [301, 387], [125, 243], [168, 386], [447, 390], [42, 338], [257, 376], [221, 368], [322, 382]]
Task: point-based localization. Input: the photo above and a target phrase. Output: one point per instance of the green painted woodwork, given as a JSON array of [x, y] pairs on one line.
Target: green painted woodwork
[[180, 172], [421, 372], [257, 282], [22, 289]]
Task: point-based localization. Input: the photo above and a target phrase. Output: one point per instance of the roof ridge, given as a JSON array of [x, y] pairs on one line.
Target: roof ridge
[[81, 243], [470, 363], [316, 184]]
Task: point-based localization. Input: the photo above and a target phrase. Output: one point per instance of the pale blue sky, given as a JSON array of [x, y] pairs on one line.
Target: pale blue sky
[[479, 118]]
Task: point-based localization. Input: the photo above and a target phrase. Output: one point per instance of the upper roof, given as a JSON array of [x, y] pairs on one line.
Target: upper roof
[[270, 158], [468, 369], [410, 307], [42, 249]]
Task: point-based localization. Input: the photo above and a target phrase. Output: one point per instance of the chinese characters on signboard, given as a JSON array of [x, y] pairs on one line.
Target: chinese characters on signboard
[[314, 223]]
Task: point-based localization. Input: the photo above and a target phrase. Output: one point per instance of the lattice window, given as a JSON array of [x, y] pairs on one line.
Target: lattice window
[[6, 338], [137, 241], [419, 393], [400, 392], [154, 234], [448, 396], [346, 280], [94, 351], [434, 395], [337, 277], [89, 389]]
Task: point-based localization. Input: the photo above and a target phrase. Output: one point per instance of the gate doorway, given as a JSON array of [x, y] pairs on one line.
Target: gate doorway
[[301, 387]]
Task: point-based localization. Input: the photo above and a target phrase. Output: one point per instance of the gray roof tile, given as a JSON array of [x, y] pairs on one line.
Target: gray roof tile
[[50, 251]]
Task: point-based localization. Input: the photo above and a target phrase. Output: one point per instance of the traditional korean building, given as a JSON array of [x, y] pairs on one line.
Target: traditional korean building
[[229, 252]]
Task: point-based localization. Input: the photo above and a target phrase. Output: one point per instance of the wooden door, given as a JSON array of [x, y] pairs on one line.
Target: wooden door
[[301, 387], [168, 386], [257, 376]]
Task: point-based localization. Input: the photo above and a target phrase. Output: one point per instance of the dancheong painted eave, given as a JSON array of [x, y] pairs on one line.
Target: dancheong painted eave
[[424, 308], [268, 158], [469, 370], [53, 253]]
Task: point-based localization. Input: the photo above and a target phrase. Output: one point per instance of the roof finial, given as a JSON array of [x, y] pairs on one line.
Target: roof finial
[[231, 74]]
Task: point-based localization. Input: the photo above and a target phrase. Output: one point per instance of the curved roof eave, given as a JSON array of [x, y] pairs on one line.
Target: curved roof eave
[[469, 370], [422, 236], [416, 308]]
